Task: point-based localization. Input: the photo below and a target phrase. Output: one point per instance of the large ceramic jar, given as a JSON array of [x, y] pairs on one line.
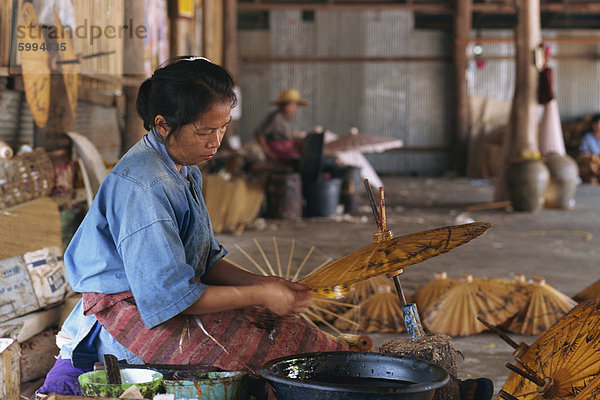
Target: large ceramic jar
[[564, 174], [527, 181]]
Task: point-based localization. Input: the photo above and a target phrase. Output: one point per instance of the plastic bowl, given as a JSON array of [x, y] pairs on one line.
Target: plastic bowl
[[209, 385], [147, 380]]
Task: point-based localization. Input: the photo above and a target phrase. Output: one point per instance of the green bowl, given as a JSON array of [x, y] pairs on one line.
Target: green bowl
[[95, 384]]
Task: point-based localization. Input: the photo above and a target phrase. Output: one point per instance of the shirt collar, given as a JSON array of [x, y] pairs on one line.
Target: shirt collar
[[155, 142]]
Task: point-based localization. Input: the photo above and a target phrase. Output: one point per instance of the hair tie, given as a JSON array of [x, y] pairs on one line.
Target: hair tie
[[196, 58]]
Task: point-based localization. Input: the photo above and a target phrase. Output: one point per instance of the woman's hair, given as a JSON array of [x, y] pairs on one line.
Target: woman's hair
[[182, 90]]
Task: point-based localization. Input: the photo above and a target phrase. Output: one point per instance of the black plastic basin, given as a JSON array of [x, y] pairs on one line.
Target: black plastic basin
[[353, 375]]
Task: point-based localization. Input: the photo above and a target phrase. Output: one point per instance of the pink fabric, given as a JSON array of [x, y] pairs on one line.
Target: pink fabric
[[244, 339], [284, 149]]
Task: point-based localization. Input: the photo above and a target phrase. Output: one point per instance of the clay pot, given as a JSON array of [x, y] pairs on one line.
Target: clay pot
[[527, 181], [563, 181]]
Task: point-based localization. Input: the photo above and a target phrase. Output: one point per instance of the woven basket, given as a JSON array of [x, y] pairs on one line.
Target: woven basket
[[25, 177]]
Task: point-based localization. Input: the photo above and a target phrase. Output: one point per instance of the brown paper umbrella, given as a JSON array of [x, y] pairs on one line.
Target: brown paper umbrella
[[360, 291], [590, 292], [361, 142], [35, 66], [563, 362], [389, 256], [380, 313], [290, 259], [545, 305], [455, 313], [433, 289], [68, 70]]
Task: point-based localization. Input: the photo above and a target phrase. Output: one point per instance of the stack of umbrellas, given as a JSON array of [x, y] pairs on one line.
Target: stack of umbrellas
[[516, 305]]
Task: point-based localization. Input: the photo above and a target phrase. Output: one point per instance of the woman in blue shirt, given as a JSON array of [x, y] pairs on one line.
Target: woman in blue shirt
[[148, 264]]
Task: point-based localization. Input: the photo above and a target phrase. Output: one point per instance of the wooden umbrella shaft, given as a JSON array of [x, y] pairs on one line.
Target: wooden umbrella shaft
[[503, 336], [506, 396], [526, 375], [372, 203]]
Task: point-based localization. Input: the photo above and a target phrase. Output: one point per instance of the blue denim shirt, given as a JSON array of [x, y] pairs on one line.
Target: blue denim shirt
[[589, 144], [148, 232]]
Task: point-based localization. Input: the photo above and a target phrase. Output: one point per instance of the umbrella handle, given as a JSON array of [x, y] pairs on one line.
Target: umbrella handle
[[503, 336], [530, 377], [502, 394]]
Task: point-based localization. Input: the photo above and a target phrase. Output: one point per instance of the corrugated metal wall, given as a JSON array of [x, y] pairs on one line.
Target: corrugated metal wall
[[400, 100], [407, 100]]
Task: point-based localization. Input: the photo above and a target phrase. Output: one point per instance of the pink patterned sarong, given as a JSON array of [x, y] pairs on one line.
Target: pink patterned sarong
[[242, 339]]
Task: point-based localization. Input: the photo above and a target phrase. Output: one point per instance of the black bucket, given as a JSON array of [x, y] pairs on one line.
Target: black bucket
[[353, 375], [322, 197]]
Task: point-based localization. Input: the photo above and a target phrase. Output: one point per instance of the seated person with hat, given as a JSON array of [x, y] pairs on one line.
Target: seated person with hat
[[274, 134]]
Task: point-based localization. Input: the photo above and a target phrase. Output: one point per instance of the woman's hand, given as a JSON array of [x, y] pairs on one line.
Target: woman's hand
[[284, 297]]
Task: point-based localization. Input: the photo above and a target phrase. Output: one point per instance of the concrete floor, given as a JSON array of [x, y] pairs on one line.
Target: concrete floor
[[561, 245]]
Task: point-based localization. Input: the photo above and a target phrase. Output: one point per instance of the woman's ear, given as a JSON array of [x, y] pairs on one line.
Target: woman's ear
[[161, 126]]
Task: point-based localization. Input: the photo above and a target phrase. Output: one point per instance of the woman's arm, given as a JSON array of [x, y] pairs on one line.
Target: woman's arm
[[230, 288], [225, 273]]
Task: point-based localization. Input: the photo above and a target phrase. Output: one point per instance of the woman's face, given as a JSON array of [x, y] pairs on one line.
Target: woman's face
[[199, 140]]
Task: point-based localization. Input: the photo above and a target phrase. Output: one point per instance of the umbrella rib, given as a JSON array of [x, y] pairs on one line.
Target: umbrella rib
[[277, 257], [289, 265], [264, 257], [235, 264], [302, 264], [326, 311], [251, 260]]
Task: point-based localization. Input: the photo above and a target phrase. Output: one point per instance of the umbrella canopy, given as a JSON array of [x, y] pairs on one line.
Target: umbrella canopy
[[455, 313], [331, 309], [390, 256], [289, 259], [590, 292], [433, 290], [360, 142], [362, 290], [68, 70], [565, 359], [35, 68], [380, 313], [545, 306]]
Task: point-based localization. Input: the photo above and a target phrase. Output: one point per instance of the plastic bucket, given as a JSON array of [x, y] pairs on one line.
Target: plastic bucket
[[353, 376], [322, 197], [209, 385]]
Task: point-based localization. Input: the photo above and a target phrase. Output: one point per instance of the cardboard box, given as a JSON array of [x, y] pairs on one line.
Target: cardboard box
[[17, 296], [10, 369], [47, 271], [27, 326]]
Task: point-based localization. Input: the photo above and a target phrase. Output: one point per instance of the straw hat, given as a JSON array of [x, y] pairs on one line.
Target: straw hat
[[290, 96]]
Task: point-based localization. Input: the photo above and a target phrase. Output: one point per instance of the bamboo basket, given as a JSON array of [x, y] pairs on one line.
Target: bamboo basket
[[25, 177], [232, 204]]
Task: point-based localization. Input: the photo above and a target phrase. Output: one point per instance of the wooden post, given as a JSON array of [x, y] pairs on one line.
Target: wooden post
[[462, 34], [212, 30], [521, 140], [524, 113], [230, 48], [230, 52], [133, 67]]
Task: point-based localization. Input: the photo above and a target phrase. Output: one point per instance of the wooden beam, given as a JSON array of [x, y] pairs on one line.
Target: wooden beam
[[439, 7], [327, 59], [429, 8], [462, 30], [560, 40]]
